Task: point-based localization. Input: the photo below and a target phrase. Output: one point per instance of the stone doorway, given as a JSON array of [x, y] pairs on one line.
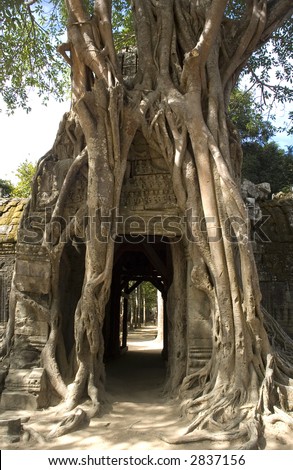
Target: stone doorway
[[138, 259]]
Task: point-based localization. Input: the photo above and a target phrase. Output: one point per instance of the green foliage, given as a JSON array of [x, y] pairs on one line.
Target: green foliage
[[122, 20], [150, 294], [25, 173], [263, 160], [268, 163], [6, 188], [235, 9], [29, 35], [270, 67], [28, 57], [247, 115]]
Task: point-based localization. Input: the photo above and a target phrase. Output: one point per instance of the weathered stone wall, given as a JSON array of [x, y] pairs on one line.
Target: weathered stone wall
[[199, 325], [272, 230], [274, 257], [272, 233], [7, 257], [273, 251], [128, 61], [25, 385], [10, 213]]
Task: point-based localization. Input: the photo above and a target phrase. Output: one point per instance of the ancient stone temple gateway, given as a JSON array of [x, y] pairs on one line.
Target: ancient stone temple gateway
[[149, 246], [143, 183]]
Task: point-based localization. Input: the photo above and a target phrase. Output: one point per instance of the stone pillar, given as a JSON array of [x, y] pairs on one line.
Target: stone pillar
[[26, 382], [114, 346], [176, 320], [125, 319], [199, 326], [160, 316]]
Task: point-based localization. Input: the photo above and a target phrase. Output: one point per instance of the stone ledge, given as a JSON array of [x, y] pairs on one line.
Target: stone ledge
[[10, 429], [25, 389]]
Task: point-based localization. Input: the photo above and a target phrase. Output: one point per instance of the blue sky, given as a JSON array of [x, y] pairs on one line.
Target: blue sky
[[283, 139]]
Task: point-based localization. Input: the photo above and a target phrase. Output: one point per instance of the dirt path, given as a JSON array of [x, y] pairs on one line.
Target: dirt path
[[138, 412]]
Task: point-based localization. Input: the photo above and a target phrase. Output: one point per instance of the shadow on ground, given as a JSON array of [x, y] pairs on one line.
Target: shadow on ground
[[138, 413]]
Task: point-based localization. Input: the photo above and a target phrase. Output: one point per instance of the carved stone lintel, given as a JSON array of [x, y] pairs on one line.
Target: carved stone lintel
[[25, 389]]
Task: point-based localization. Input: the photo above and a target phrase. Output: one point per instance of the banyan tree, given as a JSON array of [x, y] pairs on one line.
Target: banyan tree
[[153, 140]]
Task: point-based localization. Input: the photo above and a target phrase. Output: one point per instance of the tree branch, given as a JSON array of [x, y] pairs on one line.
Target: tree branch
[[62, 49], [211, 29], [102, 9], [278, 12], [166, 20], [76, 11], [29, 3], [143, 30], [256, 25], [102, 14], [265, 17], [184, 32], [79, 161]]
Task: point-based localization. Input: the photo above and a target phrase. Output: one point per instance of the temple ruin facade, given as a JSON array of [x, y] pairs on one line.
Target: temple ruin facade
[[149, 246]]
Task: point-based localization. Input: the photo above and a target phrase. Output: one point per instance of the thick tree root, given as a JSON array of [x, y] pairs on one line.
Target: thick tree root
[[75, 421], [280, 415], [248, 431], [179, 101], [245, 410], [253, 431], [204, 435], [30, 434]]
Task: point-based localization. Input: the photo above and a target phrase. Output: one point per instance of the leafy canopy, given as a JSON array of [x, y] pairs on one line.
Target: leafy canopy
[[29, 35], [263, 159], [30, 30], [270, 67], [6, 188], [247, 114], [122, 20], [268, 163], [25, 173]]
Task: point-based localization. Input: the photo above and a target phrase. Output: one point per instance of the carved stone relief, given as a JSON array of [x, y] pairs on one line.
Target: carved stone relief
[[148, 183]]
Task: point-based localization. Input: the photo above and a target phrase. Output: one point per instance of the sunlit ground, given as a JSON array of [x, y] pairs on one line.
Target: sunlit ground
[[138, 413]]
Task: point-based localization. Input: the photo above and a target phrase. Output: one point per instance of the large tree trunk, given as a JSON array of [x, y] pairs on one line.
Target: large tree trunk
[[189, 58]]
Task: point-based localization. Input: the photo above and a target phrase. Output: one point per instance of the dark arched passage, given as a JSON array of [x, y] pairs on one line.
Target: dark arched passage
[[137, 259]]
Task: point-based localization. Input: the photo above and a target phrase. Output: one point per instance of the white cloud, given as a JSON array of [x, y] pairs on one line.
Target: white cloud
[[28, 136]]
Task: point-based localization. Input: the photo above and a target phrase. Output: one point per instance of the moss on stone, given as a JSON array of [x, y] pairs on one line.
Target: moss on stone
[[10, 214]]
